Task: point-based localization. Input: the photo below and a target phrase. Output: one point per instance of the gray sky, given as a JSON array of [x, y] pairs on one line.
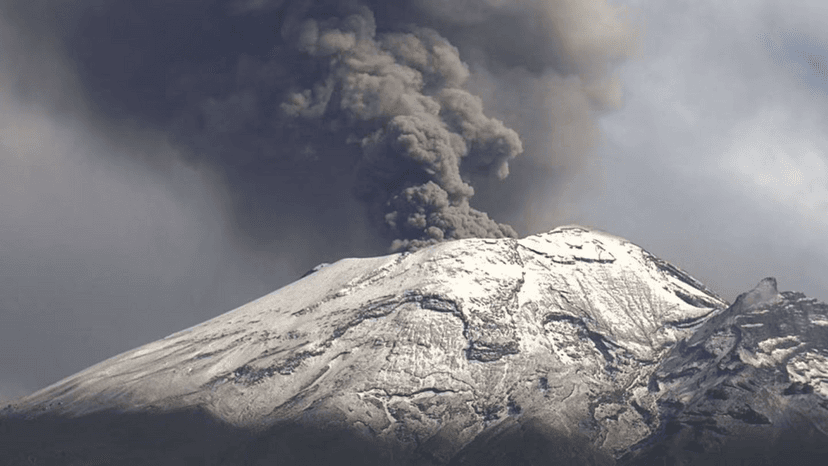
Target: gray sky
[[150, 177]]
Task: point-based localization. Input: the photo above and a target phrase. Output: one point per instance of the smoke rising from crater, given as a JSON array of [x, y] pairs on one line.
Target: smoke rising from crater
[[313, 112], [371, 104], [402, 95], [399, 98]]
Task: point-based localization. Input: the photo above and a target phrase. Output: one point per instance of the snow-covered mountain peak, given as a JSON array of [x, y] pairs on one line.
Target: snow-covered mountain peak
[[445, 343], [493, 298]]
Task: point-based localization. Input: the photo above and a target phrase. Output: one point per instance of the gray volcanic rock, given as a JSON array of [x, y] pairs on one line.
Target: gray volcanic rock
[[315, 269], [545, 350], [749, 387]]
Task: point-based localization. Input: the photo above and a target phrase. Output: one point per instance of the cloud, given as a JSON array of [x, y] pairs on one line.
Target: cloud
[[801, 55], [400, 97], [414, 82], [547, 70], [240, 7], [775, 159], [315, 112]]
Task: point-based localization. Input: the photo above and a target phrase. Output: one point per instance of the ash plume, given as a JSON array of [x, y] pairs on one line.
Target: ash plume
[[403, 97], [316, 115], [408, 86]]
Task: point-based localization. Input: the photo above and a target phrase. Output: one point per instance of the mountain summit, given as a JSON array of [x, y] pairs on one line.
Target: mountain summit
[[567, 347]]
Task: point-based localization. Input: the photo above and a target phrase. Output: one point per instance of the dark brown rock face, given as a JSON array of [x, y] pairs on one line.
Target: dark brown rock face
[[569, 347]]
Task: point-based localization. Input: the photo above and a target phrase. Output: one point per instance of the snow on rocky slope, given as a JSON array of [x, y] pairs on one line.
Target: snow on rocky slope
[[448, 355], [749, 387]]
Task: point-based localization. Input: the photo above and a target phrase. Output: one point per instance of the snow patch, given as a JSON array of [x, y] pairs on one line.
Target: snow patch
[[770, 343], [810, 368]]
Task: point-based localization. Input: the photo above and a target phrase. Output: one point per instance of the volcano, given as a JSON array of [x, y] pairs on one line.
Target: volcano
[[573, 346]]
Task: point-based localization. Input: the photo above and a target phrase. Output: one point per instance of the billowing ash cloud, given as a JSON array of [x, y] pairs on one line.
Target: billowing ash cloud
[[401, 94], [313, 111], [407, 101]]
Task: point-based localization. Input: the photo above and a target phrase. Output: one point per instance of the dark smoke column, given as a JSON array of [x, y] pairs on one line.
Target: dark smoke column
[[400, 96]]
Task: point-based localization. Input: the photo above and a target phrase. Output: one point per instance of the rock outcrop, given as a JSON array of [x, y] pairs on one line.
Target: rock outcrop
[[568, 347]]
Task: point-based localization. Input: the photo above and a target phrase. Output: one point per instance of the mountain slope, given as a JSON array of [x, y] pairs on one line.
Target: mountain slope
[[454, 354]]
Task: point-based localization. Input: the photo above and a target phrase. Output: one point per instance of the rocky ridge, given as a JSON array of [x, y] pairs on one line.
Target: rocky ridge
[[750, 385]]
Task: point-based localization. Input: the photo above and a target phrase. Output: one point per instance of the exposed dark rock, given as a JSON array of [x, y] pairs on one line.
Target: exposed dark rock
[[315, 269], [798, 388], [487, 352], [747, 414]]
